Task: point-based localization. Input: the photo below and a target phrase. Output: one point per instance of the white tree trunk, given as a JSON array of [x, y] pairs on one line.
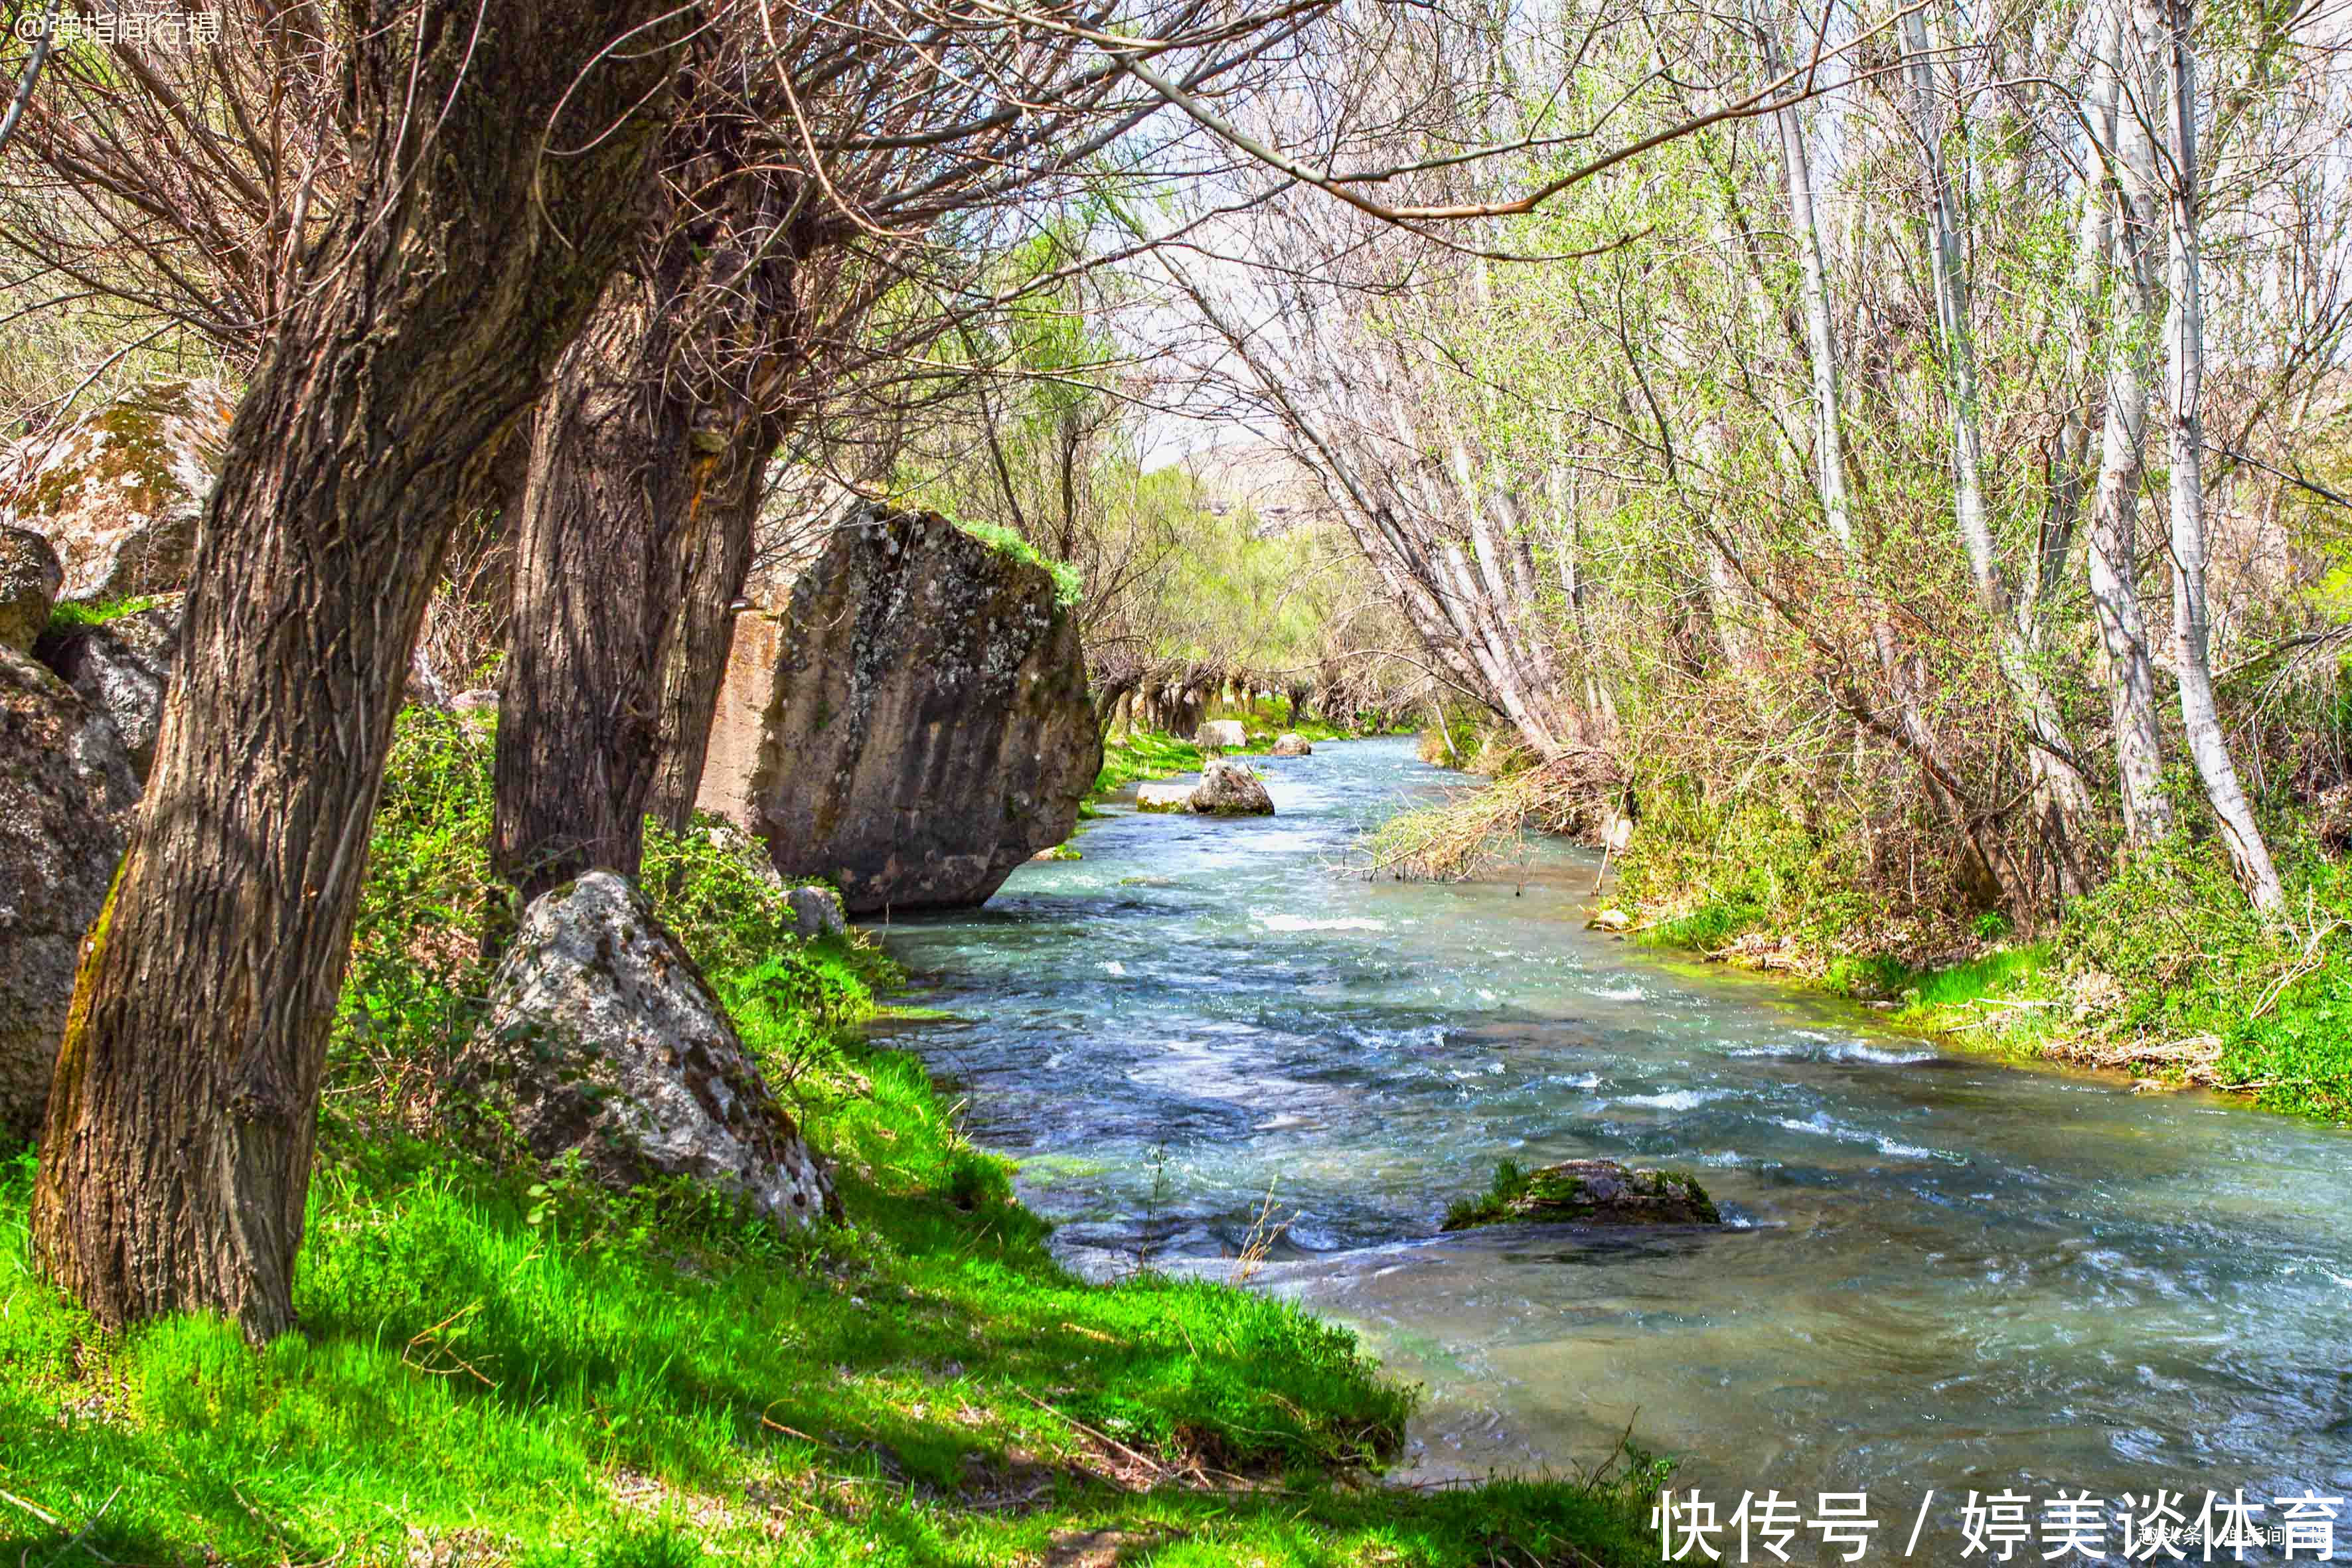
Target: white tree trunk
[[2063, 798], [2112, 557], [2185, 342]]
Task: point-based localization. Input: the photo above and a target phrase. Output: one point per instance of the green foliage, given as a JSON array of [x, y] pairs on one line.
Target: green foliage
[[518, 1366], [1457, 742], [1144, 754], [2270, 1004], [1509, 1184], [1068, 588], [69, 612]]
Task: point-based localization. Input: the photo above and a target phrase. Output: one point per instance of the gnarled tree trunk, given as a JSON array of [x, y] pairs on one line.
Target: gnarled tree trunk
[[180, 1127]]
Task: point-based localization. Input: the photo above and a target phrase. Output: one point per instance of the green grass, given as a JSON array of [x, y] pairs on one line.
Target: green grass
[[1068, 587], [1143, 755], [2165, 970], [515, 1366], [69, 613]]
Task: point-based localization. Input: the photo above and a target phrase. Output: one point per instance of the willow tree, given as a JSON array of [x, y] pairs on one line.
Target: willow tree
[[499, 160], [830, 206]]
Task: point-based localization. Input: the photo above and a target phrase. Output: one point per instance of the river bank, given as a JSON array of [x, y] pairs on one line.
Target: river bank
[[500, 1365], [2163, 972], [2162, 976], [1939, 1269]]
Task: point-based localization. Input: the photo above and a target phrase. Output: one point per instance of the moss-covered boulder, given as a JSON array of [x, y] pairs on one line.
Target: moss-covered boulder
[[1585, 1192], [913, 723], [604, 1043], [1163, 797], [118, 493], [122, 666], [1229, 789]]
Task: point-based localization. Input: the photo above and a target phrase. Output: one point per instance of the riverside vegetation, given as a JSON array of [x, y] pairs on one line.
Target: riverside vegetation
[[500, 1364], [2164, 969]]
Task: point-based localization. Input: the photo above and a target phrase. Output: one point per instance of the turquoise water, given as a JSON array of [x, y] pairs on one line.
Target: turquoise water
[[1943, 1271]]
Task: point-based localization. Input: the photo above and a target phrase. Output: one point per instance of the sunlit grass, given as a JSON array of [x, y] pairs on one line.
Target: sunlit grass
[[515, 1366]]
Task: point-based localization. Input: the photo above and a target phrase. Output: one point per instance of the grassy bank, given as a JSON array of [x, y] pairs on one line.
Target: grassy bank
[[514, 1366], [2165, 971]]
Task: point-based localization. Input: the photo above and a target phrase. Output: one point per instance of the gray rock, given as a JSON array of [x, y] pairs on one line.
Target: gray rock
[[29, 579], [66, 797], [1229, 789], [123, 666], [913, 725], [1163, 796], [1222, 735], [1587, 1192], [603, 1038], [1290, 743], [817, 910], [119, 491]]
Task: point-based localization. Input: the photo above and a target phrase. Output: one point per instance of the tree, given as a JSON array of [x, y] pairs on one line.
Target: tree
[[2168, 25], [832, 209], [180, 1127]]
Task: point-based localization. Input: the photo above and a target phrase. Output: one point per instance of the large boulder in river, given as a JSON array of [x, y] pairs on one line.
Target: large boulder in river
[[29, 579], [122, 666], [604, 1038], [1222, 735], [118, 493], [1290, 743], [66, 795], [1229, 789], [1586, 1192], [913, 724]]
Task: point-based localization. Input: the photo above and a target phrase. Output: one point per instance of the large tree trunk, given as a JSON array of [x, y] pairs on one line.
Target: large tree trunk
[[599, 571], [2112, 555], [645, 479], [705, 630], [2185, 343], [180, 1127]]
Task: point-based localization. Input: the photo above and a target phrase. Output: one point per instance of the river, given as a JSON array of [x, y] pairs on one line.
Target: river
[[1943, 1271]]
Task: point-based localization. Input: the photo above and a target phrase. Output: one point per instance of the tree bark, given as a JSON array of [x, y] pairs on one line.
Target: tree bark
[[2112, 553], [2185, 341], [180, 1132], [645, 479], [696, 665], [599, 571]]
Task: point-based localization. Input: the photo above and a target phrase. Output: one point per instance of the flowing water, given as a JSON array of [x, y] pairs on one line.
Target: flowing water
[[1942, 1272]]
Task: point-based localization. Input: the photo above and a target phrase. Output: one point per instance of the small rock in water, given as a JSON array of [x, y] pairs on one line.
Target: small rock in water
[[1162, 797], [1609, 920], [1229, 789], [1290, 743], [1586, 1192]]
